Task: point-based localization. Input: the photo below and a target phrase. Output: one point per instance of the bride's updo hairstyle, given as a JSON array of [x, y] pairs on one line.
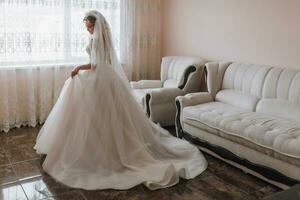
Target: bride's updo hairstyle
[[91, 19]]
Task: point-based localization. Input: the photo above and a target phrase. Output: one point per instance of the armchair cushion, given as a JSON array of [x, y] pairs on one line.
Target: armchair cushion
[[171, 83]]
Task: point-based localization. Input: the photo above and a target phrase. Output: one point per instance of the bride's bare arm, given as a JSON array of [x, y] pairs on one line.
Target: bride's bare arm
[[81, 67], [85, 67]]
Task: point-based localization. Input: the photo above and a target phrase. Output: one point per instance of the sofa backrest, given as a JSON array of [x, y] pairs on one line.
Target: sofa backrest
[[242, 85], [264, 89], [281, 94], [175, 68]]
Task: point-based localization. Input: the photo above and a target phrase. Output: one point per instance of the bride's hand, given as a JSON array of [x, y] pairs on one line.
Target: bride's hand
[[75, 71]]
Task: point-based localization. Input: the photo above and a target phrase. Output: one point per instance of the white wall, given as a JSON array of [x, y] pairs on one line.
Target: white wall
[[254, 31]]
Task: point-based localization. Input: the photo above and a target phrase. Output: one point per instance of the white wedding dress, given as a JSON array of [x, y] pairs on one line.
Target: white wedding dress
[[98, 137]]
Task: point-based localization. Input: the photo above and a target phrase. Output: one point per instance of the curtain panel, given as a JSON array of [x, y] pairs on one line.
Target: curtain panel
[[35, 33], [29, 93], [141, 38]]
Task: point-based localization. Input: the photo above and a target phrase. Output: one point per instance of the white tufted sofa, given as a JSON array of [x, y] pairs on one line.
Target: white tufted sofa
[[179, 75], [250, 117]]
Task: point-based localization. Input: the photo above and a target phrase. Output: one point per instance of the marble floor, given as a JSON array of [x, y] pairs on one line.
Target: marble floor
[[21, 177]]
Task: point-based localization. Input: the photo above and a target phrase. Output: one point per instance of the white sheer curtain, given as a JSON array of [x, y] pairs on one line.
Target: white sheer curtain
[[40, 42], [28, 94], [141, 38], [49, 31]]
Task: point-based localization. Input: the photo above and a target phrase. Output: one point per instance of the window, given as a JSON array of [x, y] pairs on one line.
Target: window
[[50, 31]]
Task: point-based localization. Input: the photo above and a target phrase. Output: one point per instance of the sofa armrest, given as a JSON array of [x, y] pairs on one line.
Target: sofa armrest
[[215, 73], [161, 96], [145, 84], [191, 99], [194, 99]]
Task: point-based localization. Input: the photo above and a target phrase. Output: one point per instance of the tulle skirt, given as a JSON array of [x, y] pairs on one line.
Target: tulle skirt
[[98, 137]]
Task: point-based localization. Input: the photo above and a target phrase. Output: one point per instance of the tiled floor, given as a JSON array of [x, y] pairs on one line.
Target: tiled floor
[[21, 177]]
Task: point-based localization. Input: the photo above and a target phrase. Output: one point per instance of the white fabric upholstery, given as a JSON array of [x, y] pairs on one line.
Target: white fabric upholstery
[[283, 136], [246, 78], [164, 95], [282, 84], [249, 154], [279, 108], [162, 103], [140, 95], [195, 98], [145, 84], [171, 83], [242, 85], [237, 98], [281, 94], [179, 75], [255, 106], [215, 74], [173, 67]]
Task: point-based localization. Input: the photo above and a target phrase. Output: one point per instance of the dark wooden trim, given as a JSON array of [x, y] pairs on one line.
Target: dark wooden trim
[[205, 76], [187, 73], [148, 97], [177, 119], [265, 171]]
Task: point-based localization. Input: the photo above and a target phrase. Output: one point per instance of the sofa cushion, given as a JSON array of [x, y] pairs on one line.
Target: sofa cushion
[[238, 98], [270, 135], [282, 84], [243, 85], [247, 78], [279, 108], [281, 94], [171, 83]]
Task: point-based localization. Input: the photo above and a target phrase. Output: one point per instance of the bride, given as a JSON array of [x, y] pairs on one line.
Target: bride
[[97, 136]]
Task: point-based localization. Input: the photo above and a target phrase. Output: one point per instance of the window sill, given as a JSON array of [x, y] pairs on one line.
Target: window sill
[[43, 65]]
